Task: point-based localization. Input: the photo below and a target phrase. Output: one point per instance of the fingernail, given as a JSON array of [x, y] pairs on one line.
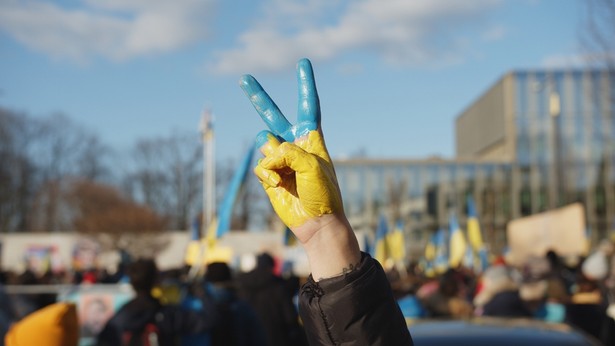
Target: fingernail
[[274, 179]]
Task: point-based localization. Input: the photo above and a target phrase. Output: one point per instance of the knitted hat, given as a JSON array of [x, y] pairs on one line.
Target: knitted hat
[[53, 325]]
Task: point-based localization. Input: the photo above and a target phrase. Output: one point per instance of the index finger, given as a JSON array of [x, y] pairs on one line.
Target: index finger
[[266, 108]]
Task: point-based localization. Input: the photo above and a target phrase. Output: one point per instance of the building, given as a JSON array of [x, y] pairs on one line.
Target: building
[[534, 141]]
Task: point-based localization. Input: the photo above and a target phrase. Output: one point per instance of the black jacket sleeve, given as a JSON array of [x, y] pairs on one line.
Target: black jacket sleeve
[[357, 308]]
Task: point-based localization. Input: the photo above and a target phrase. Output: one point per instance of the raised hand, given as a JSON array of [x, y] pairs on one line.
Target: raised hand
[[296, 173], [298, 176]]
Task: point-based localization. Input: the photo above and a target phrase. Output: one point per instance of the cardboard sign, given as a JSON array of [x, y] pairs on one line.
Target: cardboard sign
[[561, 230]]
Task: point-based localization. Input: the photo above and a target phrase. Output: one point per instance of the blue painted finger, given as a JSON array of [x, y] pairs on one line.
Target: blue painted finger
[[308, 113], [266, 108], [266, 140]]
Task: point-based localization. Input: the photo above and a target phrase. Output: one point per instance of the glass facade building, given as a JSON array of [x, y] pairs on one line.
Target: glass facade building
[[534, 141]]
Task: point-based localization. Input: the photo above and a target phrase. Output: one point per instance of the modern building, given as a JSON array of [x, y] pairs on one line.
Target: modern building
[[534, 141]]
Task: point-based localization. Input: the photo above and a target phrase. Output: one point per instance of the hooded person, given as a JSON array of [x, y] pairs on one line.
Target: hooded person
[[239, 325], [269, 296], [54, 325]]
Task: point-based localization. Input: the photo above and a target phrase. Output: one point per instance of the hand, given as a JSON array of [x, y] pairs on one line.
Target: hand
[[296, 173], [299, 179]]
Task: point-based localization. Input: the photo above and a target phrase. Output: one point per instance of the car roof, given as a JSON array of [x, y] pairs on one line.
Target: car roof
[[496, 331]]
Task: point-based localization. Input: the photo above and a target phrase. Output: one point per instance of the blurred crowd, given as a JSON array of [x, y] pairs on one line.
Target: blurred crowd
[[220, 306], [227, 306], [578, 291]]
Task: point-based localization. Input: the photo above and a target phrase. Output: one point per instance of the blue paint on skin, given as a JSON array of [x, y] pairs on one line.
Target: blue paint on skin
[[308, 114], [263, 137]]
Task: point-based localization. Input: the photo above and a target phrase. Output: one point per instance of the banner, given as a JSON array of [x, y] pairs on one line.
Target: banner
[[561, 230]]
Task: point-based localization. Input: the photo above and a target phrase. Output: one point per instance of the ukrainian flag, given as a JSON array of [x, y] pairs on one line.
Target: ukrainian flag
[[430, 248], [474, 234], [367, 244], [427, 262], [381, 251], [237, 182], [396, 244], [475, 237], [457, 243], [206, 249], [441, 246], [483, 258]]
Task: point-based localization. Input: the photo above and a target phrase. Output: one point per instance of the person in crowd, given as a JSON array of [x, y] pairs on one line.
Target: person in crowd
[[53, 325], [239, 324], [559, 270], [269, 296], [26, 303], [555, 301], [145, 317], [347, 298], [587, 311], [499, 295], [7, 313], [447, 300]]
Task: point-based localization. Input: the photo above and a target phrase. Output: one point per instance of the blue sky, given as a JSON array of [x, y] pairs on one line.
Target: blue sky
[[392, 74]]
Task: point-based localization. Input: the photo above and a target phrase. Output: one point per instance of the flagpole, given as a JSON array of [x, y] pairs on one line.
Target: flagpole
[[207, 136], [209, 178]]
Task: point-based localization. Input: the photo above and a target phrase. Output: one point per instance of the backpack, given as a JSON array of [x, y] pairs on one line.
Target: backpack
[[148, 335]]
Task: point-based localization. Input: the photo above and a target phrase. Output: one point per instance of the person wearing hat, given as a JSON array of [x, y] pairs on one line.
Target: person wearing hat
[[268, 294], [54, 325]]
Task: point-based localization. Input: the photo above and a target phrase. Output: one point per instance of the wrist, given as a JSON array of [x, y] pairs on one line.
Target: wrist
[[330, 244]]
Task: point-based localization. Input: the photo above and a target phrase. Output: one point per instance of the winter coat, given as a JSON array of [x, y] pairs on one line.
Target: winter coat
[[506, 304], [239, 325], [269, 296], [171, 321], [357, 308]]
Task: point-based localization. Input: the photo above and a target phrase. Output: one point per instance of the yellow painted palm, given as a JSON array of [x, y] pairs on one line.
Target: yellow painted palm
[[296, 173]]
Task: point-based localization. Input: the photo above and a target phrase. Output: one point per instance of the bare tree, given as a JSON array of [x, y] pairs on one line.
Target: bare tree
[[61, 150], [166, 176], [17, 173], [37, 154], [116, 222]]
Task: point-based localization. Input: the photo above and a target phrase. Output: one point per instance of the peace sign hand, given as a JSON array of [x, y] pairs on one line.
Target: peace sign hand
[[296, 173]]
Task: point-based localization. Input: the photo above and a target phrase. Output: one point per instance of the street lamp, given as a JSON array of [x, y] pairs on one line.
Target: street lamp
[[555, 112]]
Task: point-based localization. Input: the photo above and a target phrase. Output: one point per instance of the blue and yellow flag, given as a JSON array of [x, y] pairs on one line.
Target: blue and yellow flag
[[469, 259], [457, 242], [226, 208], [475, 237], [381, 251], [396, 244], [441, 260], [428, 260], [368, 245], [483, 259], [430, 248], [474, 234]]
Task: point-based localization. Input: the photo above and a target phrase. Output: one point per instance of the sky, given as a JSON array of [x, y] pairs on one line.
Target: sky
[[392, 75]]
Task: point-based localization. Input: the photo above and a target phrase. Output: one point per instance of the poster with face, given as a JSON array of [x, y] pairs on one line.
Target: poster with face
[[95, 306], [38, 258], [95, 310], [85, 253]]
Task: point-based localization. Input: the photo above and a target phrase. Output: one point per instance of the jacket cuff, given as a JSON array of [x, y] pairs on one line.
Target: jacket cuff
[[357, 307]]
